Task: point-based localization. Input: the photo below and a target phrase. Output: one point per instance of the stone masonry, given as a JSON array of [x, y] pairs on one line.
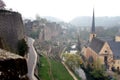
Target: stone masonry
[[11, 30]]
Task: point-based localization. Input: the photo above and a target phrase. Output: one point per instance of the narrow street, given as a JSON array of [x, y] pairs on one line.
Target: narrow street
[[32, 59]]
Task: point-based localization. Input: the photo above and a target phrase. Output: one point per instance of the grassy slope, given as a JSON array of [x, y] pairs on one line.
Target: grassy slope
[[58, 71], [44, 69]]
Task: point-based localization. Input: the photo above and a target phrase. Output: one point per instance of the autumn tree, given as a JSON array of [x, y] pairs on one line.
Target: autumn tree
[[72, 60], [2, 5]]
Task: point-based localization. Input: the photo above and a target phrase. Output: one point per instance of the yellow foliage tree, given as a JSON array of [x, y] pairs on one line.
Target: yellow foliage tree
[[72, 60]]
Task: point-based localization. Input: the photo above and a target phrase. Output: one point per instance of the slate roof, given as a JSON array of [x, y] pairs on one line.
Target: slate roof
[[106, 39], [96, 44], [118, 34], [115, 47]]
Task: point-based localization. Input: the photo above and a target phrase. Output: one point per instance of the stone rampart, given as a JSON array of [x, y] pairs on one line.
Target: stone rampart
[[11, 29]]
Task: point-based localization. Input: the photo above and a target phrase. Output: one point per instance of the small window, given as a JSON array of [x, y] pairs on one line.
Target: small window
[[105, 51], [117, 68]]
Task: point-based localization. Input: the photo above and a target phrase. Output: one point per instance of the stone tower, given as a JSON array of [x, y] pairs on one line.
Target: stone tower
[[11, 30], [92, 34]]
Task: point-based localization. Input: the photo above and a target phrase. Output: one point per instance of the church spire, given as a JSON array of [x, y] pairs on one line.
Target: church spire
[[93, 23], [92, 34]]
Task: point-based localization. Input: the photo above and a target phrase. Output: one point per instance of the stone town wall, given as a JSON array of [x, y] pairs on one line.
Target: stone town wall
[[11, 29], [42, 29], [51, 31]]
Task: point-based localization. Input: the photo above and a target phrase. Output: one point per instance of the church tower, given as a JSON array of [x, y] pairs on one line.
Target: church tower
[[92, 34]]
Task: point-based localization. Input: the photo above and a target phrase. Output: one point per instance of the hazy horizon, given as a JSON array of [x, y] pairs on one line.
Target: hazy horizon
[[64, 10]]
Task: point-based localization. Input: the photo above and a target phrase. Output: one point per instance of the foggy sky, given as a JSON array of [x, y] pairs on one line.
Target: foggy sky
[[64, 9]]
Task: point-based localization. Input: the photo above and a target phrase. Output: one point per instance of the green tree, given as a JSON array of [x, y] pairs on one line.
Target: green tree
[[35, 34], [22, 47], [98, 72]]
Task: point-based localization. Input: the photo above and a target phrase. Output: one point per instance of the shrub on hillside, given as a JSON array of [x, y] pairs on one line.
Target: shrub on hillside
[[22, 47]]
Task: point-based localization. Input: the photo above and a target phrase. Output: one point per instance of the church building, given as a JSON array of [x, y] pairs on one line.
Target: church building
[[105, 50]]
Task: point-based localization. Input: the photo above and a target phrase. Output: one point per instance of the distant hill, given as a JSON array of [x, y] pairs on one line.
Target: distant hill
[[52, 19], [99, 21]]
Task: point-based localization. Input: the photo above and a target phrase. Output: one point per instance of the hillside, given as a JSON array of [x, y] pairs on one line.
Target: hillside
[[50, 67], [100, 21]]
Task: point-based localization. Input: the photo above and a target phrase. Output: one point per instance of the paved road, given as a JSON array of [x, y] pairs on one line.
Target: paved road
[[32, 59]]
